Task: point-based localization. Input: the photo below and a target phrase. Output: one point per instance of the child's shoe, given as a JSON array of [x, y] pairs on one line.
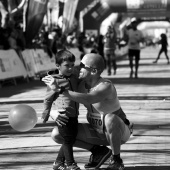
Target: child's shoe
[[73, 167], [59, 166]]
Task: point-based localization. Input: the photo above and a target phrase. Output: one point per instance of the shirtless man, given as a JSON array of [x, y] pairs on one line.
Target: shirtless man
[[107, 121]]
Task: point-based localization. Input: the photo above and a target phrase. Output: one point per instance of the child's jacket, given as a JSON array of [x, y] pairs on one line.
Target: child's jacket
[[59, 100]]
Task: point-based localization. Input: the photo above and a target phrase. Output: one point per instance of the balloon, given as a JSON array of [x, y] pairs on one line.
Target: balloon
[[22, 118]]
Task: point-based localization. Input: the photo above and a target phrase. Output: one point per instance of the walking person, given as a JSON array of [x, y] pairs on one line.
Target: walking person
[[66, 79], [134, 37], [164, 48], [107, 123], [109, 50]]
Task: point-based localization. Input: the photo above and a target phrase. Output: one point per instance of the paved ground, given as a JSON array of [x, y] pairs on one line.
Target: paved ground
[[145, 100]]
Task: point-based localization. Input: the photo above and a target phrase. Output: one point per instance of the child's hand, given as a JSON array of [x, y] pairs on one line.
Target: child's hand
[[50, 81], [45, 117]]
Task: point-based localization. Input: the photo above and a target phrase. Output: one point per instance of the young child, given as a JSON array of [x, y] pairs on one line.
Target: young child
[[65, 78]]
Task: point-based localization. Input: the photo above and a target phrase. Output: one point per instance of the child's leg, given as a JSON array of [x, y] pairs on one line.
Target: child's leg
[[69, 133], [59, 163], [60, 158]]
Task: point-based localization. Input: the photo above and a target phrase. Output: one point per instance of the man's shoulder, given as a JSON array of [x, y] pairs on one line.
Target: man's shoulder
[[106, 83]]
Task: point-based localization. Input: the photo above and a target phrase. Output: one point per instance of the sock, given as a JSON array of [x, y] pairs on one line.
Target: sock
[[117, 158]]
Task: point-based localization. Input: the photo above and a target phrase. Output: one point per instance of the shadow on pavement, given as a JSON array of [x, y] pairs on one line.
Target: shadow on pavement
[[144, 81], [39, 130], [8, 89]]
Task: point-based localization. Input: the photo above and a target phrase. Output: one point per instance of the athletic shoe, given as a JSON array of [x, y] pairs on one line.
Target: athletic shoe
[[100, 155], [115, 164], [59, 166], [73, 167]]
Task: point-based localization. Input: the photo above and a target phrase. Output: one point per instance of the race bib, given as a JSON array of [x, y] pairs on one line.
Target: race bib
[[96, 121]]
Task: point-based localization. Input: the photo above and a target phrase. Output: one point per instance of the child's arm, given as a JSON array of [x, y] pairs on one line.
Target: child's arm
[[49, 98]]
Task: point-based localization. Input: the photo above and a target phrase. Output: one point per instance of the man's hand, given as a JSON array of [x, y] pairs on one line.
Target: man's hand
[[60, 119], [50, 81]]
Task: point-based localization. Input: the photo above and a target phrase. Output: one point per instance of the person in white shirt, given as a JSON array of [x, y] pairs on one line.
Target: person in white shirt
[[135, 36]]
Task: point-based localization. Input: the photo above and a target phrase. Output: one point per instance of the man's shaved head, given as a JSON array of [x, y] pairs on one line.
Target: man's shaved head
[[94, 60]]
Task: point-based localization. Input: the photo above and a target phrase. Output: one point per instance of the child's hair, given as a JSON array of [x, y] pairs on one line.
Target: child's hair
[[64, 55]]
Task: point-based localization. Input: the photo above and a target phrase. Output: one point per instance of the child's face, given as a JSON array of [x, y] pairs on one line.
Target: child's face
[[66, 68]]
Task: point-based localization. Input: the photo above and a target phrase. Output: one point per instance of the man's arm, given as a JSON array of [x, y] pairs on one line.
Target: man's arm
[[102, 92], [60, 119]]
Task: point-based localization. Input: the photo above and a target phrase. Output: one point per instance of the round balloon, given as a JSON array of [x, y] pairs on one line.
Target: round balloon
[[22, 118]]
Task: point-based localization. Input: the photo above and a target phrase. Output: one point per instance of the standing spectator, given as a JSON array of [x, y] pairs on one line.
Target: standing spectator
[[13, 43], [100, 46], [54, 46], [134, 38], [20, 37], [47, 43], [4, 35], [81, 39], [109, 49], [164, 45], [13, 40]]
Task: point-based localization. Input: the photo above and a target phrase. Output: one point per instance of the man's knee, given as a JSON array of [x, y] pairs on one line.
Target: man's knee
[[112, 122], [56, 136]]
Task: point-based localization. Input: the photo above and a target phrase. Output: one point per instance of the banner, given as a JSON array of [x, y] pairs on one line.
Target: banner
[[3, 13], [11, 65], [29, 61], [145, 5], [139, 5], [36, 10], [54, 15], [38, 61], [42, 62], [70, 7]]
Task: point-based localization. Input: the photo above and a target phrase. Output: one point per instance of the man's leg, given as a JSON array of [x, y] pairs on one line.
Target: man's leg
[[115, 130], [108, 61], [114, 64], [87, 138], [137, 58], [130, 55]]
